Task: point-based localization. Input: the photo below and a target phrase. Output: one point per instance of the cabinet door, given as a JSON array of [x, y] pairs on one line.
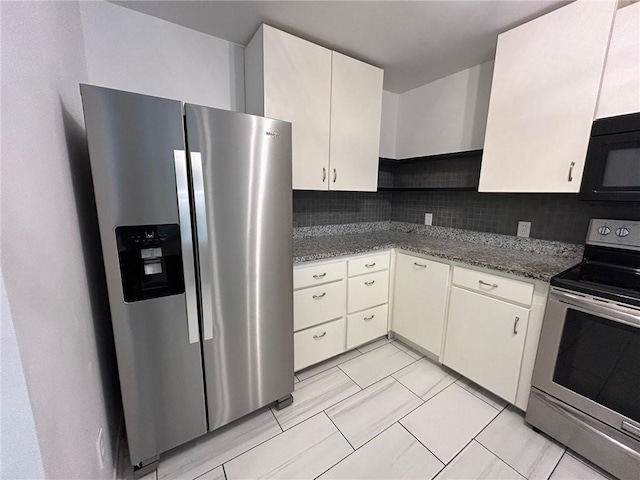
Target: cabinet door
[[297, 88], [485, 340], [620, 93], [356, 104], [543, 99], [420, 296]]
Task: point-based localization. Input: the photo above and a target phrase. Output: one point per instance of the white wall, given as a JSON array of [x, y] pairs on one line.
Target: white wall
[[131, 51], [388, 124], [20, 453], [445, 116], [50, 259]]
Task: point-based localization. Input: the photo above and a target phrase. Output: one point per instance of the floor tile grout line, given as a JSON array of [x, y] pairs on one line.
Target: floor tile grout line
[[343, 435], [498, 456], [324, 410], [475, 395], [276, 418], [427, 448], [224, 471], [387, 376], [337, 365], [257, 445]]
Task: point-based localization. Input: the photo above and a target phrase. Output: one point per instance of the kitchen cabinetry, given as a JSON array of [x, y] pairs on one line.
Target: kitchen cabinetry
[[485, 340], [620, 92], [487, 327], [546, 82], [420, 296], [333, 102], [334, 310]]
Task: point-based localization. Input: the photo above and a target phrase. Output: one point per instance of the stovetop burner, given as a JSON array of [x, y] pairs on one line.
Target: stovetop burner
[[610, 267]]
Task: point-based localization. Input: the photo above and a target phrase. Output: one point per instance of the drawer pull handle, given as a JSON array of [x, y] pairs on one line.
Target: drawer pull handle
[[324, 174], [370, 317], [318, 337], [368, 284], [318, 297], [421, 265], [515, 326], [319, 276], [492, 285], [370, 265]]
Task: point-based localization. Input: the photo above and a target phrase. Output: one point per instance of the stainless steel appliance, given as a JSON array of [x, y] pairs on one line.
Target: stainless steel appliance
[[612, 166], [586, 381], [195, 213]]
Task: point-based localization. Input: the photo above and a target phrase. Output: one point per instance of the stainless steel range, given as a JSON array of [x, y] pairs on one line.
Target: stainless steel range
[[586, 381]]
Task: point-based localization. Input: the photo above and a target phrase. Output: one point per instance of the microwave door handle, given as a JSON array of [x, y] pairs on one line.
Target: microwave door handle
[[204, 248], [186, 241]]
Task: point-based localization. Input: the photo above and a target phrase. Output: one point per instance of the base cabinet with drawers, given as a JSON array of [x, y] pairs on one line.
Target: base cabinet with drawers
[[419, 301], [339, 305]]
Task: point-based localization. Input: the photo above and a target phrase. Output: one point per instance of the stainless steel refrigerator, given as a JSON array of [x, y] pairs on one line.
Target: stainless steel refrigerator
[[195, 213]]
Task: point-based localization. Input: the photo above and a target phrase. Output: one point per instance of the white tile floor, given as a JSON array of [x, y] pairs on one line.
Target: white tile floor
[[385, 412]]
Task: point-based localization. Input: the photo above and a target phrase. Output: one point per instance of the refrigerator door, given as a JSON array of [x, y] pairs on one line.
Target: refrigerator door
[[139, 169], [241, 172]]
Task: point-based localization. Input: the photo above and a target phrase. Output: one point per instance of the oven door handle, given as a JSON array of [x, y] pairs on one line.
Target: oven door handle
[[612, 311]]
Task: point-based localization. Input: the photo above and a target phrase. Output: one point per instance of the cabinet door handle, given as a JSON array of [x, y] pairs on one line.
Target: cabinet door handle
[[421, 265], [318, 297], [573, 164], [318, 337], [492, 285], [370, 317], [515, 326], [368, 284], [335, 175], [320, 275], [370, 265], [324, 174]]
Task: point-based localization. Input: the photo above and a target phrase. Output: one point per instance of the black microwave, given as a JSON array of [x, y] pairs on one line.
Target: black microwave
[[612, 166]]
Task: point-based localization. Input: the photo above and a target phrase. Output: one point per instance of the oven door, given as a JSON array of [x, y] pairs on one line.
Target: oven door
[[589, 358]]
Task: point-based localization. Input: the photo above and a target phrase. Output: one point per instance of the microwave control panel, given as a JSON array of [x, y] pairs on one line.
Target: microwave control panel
[[150, 261]]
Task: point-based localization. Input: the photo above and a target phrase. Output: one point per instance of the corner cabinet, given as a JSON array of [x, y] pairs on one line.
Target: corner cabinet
[[546, 82], [333, 101], [420, 298]]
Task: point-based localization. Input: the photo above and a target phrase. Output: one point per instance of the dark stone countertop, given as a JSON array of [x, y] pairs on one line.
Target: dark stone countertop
[[537, 266]]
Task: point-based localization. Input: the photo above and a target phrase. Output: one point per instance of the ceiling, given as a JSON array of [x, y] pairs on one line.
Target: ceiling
[[416, 42]]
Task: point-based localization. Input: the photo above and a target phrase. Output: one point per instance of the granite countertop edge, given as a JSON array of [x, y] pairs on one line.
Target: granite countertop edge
[[532, 265]]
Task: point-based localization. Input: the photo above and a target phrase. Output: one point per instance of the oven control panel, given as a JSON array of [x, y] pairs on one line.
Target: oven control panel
[[614, 233]]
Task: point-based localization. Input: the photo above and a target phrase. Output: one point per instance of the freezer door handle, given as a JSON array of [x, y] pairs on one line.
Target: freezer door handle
[[204, 249], [188, 266]]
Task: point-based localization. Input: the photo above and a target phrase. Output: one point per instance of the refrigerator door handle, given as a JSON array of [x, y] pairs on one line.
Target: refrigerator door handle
[[204, 249], [188, 266]]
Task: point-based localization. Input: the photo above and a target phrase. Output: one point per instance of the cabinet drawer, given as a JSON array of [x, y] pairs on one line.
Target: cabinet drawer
[[365, 326], [315, 305], [372, 263], [368, 291], [318, 274], [318, 343], [494, 285]]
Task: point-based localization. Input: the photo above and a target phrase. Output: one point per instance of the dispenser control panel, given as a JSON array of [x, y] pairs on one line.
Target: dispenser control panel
[[150, 261]]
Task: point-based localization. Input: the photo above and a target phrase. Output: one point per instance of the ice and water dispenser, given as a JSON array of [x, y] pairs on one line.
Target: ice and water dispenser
[[150, 261]]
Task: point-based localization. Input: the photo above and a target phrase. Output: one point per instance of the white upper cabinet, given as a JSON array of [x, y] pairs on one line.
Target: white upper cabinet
[[333, 102], [290, 79], [620, 92], [546, 82], [356, 104]]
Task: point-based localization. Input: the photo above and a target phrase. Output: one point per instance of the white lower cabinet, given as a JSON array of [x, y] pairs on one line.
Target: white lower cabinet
[[365, 326], [485, 341], [420, 297], [318, 343], [368, 291]]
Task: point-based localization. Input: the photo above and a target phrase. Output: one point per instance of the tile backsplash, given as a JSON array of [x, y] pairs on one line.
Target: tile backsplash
[[561, 217]]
